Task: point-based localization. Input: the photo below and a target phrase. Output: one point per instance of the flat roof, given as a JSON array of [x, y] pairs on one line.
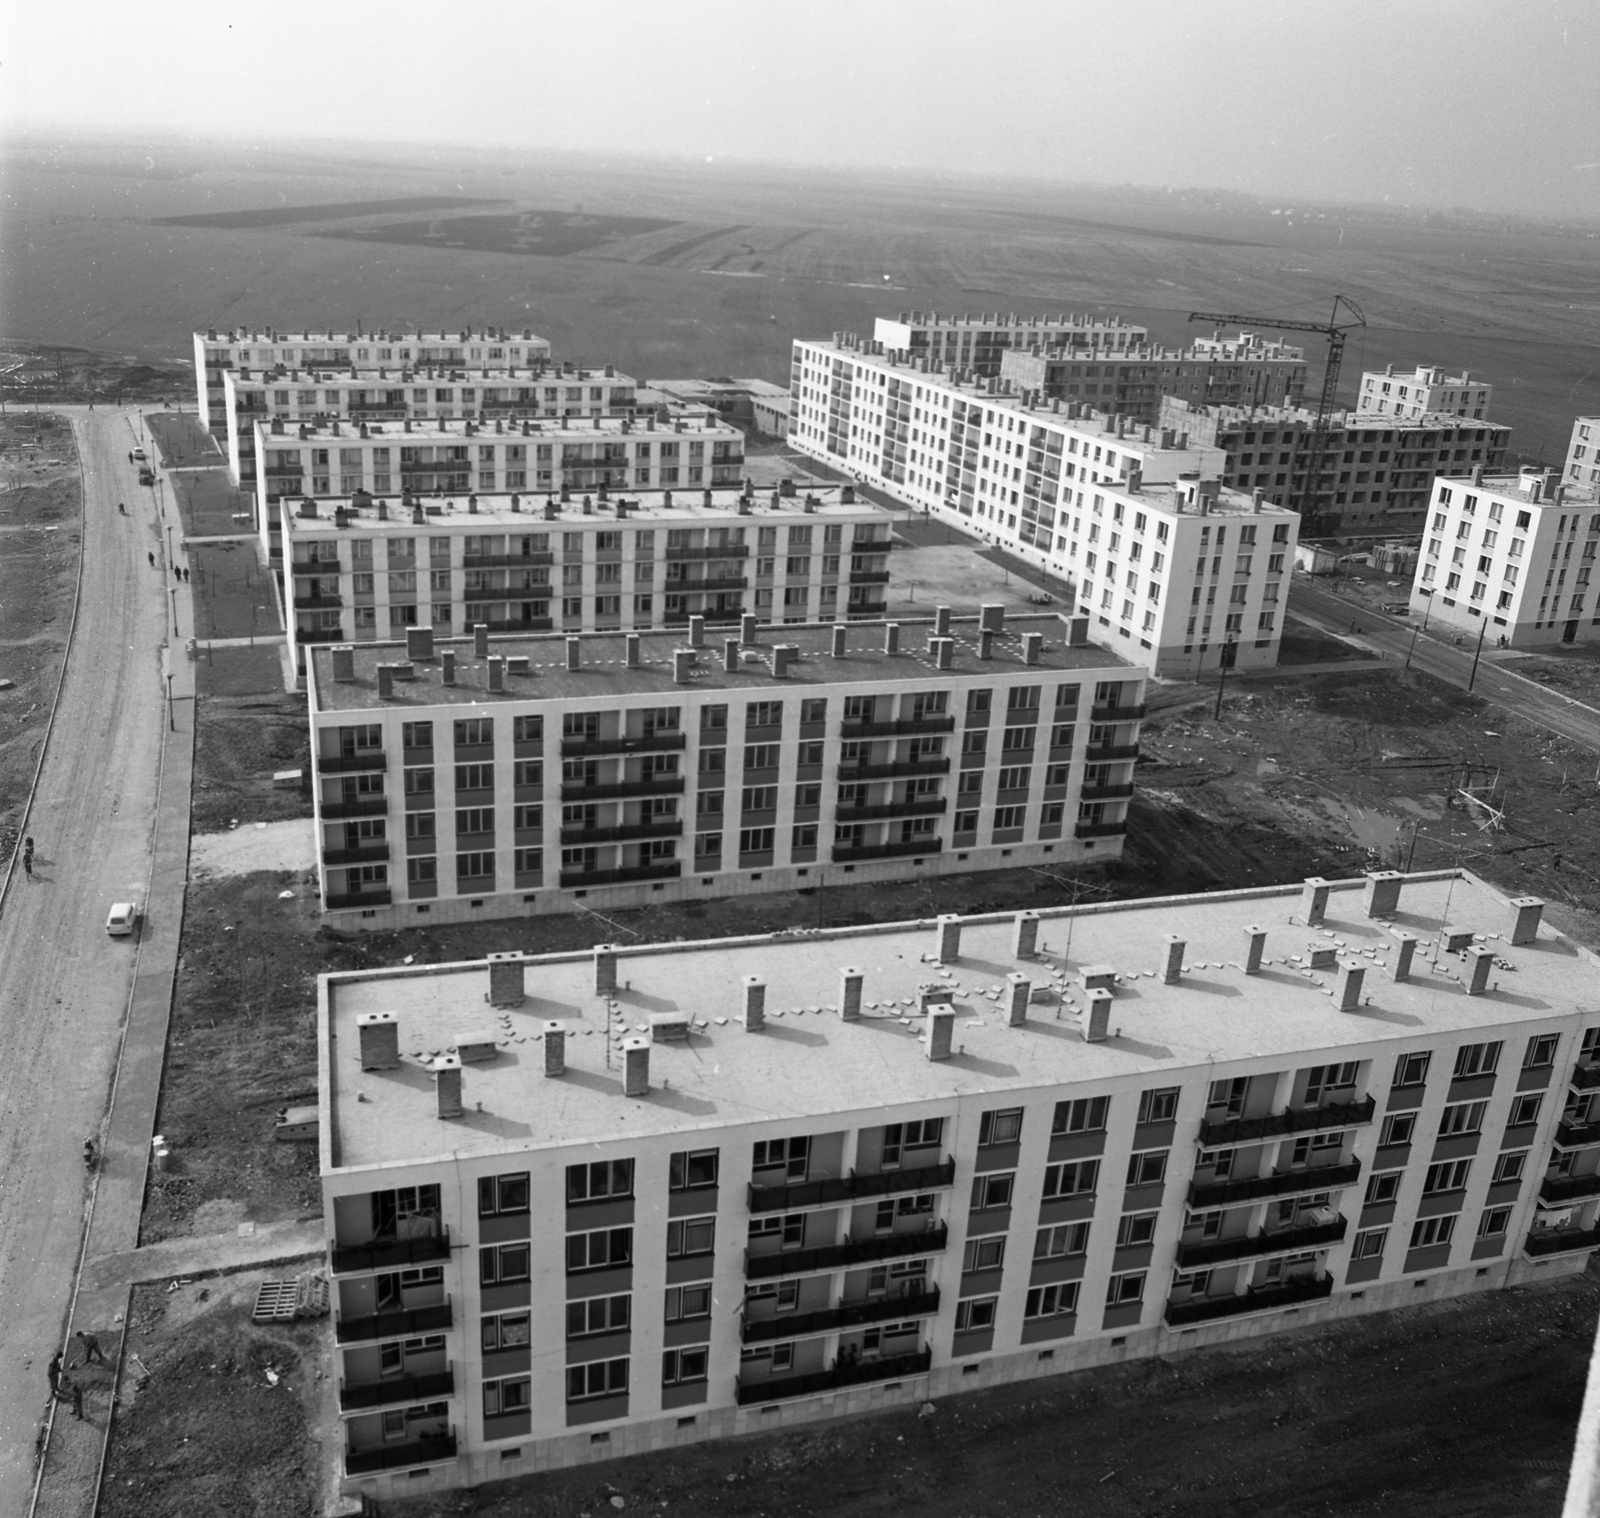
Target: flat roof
[[354, 376], [1511, 486], [931, 320], [605, 672], [280, 339], [808, 1063], [1300, 416], [1239, 353], [426, 430]]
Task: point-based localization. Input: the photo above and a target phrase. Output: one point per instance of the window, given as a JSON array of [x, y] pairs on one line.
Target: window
[[686, 1236], [1086, 1115], [474, 730], [1462, 1117], [1447, 1175], [1002, 1126], [681, 1366], [1525, 1109], [602, 1249], [1073, 1178], [984, 1254], [598, 1315], [1147, 1167], [1509, 1166], [921, 1133], [603, 1378], [1052, 1301], [978, 703], [1412, 1069], [502, 1193], [1158, 1105], [1369, 1244], [1398, 1128], [512, 1395], [1125, 1289], [527, 729], [1429, 1231], [506, 1330], [791, 1155], [1382, 1186], [684, 1302], [992, 1190], [502, 1262], [1061, 1239], [1322, 1078], [763, 714], [1541, 1051], [1494, 1222], [1477, 1059], [416, 734], [596, 1182], [975, 1313], [691, 1169], [474, 777]]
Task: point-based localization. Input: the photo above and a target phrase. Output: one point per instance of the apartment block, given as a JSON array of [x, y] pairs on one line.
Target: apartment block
[[216, 352], [1424, 391], [1376, 475], [519, 776], [1172, 571], [503, 393], [815, 1175], [1510, 558], [1582, 465], [1245, 371], [978, 344], [363, 571], [440, 458]]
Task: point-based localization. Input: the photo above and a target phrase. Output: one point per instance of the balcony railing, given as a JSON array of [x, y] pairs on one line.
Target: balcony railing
[[667, 870], [869, 577], [710, 582], [622, 832], [1100, 829], [366, 806], [389, 1457], [934, 722], [1115, 713], [656, 785], [1264, 1299], [923, 806], [424, 1388], [390, 1254], [861, 610], [650, 743], [1284, 1183], [888, 1246], [713, 616], [368, 853], [796, 1325], [1108, 751], [379, 897], [503, 560], [311, 603], [394, 1325], [1543, 1241], [1106, 792], [1238, 1130], [1586, 1077], [849, 1188], [1253, 1246], [895, 769], [849, 853], [1571, 1135], [349, 764], [738, 551], [1566, 1188], [873, 545], [779, 1387]]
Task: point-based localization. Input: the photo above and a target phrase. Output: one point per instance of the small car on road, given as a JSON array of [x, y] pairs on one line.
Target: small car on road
[[140, 454], [123, 915]]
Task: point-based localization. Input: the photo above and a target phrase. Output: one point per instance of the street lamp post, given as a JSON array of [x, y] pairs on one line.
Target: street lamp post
[[172, 725], [1476, 653], [174, 595], [1415, 632]]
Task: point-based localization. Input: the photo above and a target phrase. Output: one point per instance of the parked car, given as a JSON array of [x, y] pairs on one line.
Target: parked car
[[1397, 608], [123, 916], [140, 455], [147, 476]]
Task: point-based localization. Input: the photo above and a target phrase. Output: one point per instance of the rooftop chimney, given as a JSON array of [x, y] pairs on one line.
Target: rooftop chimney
[[379, 1035], [755, 1003], [447, 667], [1258, 948], [850, 983], [636, 1067], [1526, 914], [1172, 971], [937, 1038], [943, 651], [1347, 995], [386, 682], [447, 1079], [891, 637], [841, 638], [574, 653], [941, 622], [632, 643], [1097, 1027], [480, 641], [949, 938], [697, 632], [748, 628], [1032, 647], [1383, 892], [682, 665], [505, 980], [730, 654], [555, 1048], [1078, 633], [1018, 989], [1482, 957], [985, 643], [784, 657], [1405, 948], [497, 674], [344, 664], [1314, 900], [419, 643], [992, 618], [1024, 935], [605, 969]]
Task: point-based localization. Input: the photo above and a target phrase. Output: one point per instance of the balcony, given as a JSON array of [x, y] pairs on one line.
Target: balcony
[[622, 832], [504, 560], [1548, 1241], [889, 1246], [873, 545], [712, 615], [613, 790], [312, 603], [648, 743], [319, 635], [897, 769], [1284, 1183], [1571, 1135], [1115, 713], [934, 722], [427, 1388], [1586, 1077], [797, 1325], [732, 551], [779, 1387], [849, 853], [852, 1187], [350, 899], [389, 1457], [1109, 751], [1238, 1130], [1265, 1299], [368, 853], [1568, 1188], [394, 1325], [349, 764], [366, 806], [860, 610], [1100, 829], [665, 870], [710, 582], [1106, 792], [923, 806], [390, 1254], [869, 577], [1254, 1246]]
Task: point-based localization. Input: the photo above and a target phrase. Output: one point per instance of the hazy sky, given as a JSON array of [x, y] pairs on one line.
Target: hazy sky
[[1488, 103]]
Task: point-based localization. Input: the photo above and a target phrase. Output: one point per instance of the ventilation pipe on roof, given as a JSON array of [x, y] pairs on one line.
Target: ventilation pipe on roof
[[379, 1035], [1172, 969], [1018, 989], [480, 641], [755, 1003], [850, 984], [605, 969], [1314, 900], [1526, 914], [1383, 892], [948, 927], [941, 1027], [555, 1048], [1347, 994], [505, 980], [636, 1067], [891, 637], [447, 667], [447, 1080], [574, 653], [1257, 948]]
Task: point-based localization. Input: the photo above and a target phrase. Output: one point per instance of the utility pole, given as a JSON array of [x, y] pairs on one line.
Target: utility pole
[[1225, 664], [1476, 652], [1415, 633]]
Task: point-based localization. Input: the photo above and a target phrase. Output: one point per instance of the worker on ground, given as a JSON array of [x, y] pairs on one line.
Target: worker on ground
[[53, 1370], [91, 1347]]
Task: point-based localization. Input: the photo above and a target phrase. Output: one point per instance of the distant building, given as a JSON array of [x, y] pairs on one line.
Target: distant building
[[735, 399], [594, 1204], [1247, 371], [770, 414], [979, 343], [363, 570], [531, 775], [1172, 571], [1424, 391], [216, 352], [1511, 557], [1583, 454], [1377, 473]]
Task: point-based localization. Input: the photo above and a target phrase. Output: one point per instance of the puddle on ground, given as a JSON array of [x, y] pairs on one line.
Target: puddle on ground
[[1428, 810], [1371, 829]]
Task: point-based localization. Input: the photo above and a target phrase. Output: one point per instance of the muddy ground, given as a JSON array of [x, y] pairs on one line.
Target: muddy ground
[[40, 501]]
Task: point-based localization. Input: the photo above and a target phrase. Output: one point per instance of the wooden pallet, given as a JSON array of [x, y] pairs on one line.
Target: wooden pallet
[[275, 1302], [311, 1296]]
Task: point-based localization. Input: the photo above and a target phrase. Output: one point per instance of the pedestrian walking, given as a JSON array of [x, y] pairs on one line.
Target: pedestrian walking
[[152, 561], [91, 1347], [186, 577], [27, 865], [177, 574], [53, 1370], [77, 1402]]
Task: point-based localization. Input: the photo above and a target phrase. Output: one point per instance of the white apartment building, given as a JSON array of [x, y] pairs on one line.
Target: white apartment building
[[813, 1176], [978, 343], [364, 570], [1582, 465], [1511, 558], [1424, 390], [1174, 572], [332, 459], [519, 776], [506, 393], [216, 352], [1376, 475]]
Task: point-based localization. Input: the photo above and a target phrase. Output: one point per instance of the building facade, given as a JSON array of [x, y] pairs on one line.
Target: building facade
[[523, 776], [1510, 559], [1582, 466], [1173, 571], [812, 1176], [216, 352], [363, 572], [978, 344], [1377, 474], [1422, 392]]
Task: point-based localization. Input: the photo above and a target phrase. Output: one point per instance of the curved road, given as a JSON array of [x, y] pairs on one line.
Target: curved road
[[64, 984]]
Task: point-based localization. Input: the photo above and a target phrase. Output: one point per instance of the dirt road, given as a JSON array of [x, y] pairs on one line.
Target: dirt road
[[64, 983]]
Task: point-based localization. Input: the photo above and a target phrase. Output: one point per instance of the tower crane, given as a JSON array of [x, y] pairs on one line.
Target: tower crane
[[1334, 330]]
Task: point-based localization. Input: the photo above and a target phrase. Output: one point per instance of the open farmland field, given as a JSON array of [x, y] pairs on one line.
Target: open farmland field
[[669, 267]]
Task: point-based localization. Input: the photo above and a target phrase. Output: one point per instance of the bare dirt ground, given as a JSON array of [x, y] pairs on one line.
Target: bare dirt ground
[[1458, 1409], [39, 544], [241, 741]]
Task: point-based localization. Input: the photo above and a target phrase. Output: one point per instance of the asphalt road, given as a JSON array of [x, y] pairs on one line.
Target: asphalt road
[[1400, 638], [64, 984]]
